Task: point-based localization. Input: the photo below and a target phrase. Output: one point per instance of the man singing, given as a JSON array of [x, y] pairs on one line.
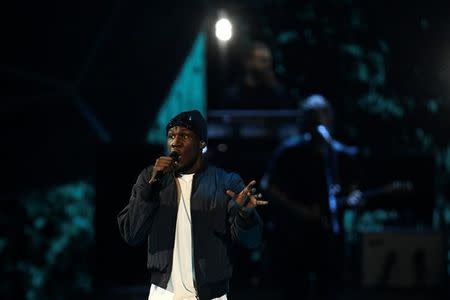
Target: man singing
[[190, 212]]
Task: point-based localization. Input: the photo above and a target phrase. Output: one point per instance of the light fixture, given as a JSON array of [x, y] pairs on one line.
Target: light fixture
[[224, 30]]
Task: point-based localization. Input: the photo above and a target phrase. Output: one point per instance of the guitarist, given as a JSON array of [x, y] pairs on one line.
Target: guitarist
[[303, 180]]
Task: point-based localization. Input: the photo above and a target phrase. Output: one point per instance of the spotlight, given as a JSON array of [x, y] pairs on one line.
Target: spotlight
[[224, 30]]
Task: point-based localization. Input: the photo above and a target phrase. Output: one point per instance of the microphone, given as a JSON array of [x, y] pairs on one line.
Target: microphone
[[325, 133], [175, 156], [157, 175]]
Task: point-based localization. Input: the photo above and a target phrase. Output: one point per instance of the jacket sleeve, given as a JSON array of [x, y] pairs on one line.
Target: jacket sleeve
[[245, 224], [136, 218]]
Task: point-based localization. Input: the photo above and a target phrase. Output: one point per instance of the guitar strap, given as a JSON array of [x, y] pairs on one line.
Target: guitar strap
[[330, 175]]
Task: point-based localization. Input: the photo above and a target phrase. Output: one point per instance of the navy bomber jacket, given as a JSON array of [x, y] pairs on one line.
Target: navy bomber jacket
[[152, 215]]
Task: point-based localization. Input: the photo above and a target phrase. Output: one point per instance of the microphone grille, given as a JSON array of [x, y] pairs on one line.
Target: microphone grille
[[174, 155]]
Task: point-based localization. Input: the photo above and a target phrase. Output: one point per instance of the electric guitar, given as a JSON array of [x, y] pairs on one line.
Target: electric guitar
[[359, 198], [355, 199]]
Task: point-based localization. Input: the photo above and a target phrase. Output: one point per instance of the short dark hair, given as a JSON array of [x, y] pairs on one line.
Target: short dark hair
[[308, 109]]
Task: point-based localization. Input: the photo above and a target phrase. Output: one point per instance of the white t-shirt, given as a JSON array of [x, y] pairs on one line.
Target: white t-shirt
[[181, 281]]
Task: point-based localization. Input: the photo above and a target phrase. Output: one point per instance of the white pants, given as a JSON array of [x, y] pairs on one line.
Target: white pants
[[158, 293]]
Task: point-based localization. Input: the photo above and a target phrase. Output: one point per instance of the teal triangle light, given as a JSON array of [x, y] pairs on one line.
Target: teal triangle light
[[188, 91]]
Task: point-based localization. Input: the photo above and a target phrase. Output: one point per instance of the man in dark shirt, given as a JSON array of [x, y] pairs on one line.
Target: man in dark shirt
[[304, 178]]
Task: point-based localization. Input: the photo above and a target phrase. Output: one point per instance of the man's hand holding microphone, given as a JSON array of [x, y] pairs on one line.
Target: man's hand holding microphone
[[163, 165]]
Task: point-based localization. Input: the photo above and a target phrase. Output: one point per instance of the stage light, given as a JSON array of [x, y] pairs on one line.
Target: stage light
[[224, 30]]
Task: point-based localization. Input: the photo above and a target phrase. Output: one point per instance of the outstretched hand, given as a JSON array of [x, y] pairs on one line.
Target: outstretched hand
[[246, 198]]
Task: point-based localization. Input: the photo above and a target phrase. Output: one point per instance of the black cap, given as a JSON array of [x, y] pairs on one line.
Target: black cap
[[192, 120]]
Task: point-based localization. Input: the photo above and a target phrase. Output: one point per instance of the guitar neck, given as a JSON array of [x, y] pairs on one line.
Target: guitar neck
[[342, 201], [371, 193], [374, 192]]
